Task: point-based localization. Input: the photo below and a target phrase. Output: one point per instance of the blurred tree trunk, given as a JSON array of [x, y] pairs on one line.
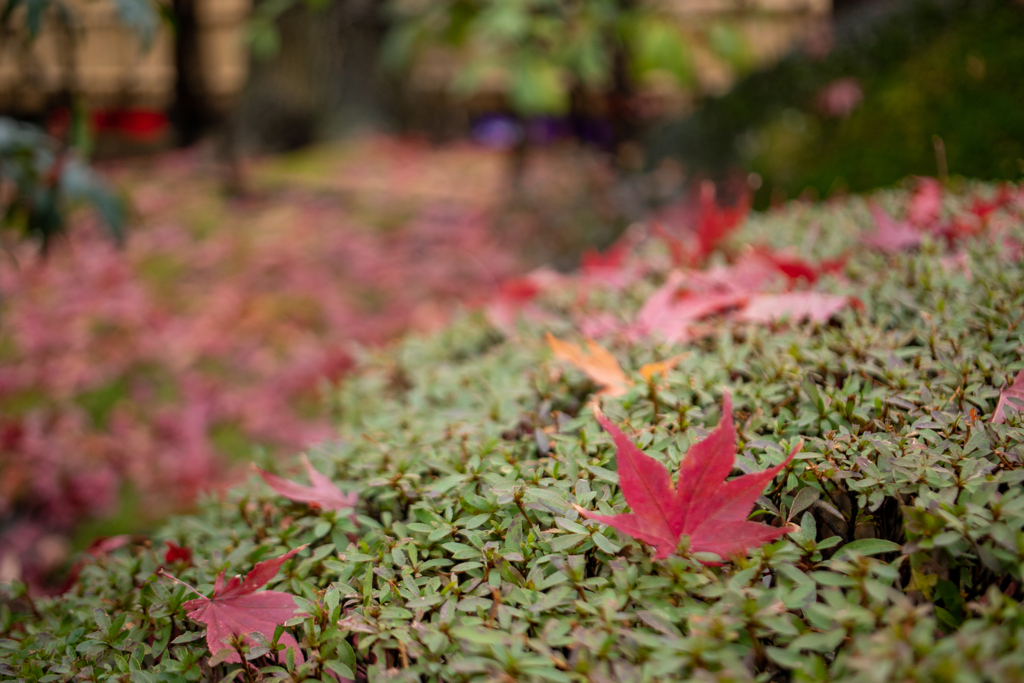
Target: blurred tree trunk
[[190, 113], [322, 84]]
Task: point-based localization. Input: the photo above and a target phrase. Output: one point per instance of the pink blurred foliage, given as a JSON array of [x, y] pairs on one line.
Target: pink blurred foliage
[[924, 215], [693, 228], [614, 267], [119, 368], [926, 203], [839, 98]]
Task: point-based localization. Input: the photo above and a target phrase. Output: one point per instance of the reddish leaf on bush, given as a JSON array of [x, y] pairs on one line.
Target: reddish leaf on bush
[[1011, 397], [815, 306], [98, 548], [711, 511], [671, 310], [890, 235], [594, 262], [609, 267], [236, 609], [976, 219], [710, 223], [797, 269], [515, 298], [982, 208], [716, 222], [177, 552], [926, 204], [323, 493], [752, 272]]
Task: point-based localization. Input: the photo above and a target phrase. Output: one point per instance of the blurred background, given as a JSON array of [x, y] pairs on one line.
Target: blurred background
[[209, 209]]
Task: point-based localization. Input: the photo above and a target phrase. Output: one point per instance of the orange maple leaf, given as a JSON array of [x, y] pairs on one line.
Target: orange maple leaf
[[601, 366]]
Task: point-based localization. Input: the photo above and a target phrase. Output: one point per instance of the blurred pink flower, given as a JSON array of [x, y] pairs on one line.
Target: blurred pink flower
[[840, 97]]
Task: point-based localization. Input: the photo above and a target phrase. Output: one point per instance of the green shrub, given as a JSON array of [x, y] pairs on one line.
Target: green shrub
[[40, 185], [927, 68], [470, 563]]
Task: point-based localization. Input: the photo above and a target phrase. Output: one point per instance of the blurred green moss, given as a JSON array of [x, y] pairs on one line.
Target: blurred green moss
[[930, 70]]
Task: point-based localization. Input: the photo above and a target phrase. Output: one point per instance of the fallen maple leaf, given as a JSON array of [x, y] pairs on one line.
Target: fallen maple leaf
[[599, 364], [926, 203], [602, 367], [711, 511], [797, 269], [671, 310], [236, 609], [710, 224], [716, 222], [598, 265], [890, 235], [982, 208], [649, 370], [975, 220], [177, 553], [323, 493], [516, 298], [751, 272], [1015, 392], [815, 306]]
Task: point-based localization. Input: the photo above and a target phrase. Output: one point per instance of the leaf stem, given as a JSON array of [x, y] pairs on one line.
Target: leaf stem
[[164, 574]]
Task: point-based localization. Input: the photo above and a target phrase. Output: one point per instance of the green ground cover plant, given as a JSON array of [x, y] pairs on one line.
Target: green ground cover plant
[[471, 450]]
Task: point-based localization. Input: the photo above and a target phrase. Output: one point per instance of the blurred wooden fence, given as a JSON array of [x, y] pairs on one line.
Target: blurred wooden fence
[[101, 60], [105, 63]]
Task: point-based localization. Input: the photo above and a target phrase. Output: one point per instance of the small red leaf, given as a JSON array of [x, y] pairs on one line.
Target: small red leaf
[[177, 553], [889, 235], [671, 310], [716, 222], [926, 204], [706, 222], [1014, 391], [323, 492], [236, 609], [815, 306]]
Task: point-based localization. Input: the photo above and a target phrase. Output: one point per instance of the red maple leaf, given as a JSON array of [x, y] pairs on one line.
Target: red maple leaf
[[593, 262], [815, 306], [323, 492], [797, 269], [982, 208], [709, 222], [1015, 392], [716, 222], [177, 552], [711, 511], [976, 219], [671, 309], [610, 267], [236, 609], [926, 203], [891, 235]]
